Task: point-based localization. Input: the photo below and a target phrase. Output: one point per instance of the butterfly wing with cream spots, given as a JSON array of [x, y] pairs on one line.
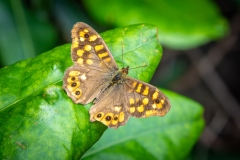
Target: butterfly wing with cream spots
[[95, 75], [93, 65], [131, 98]]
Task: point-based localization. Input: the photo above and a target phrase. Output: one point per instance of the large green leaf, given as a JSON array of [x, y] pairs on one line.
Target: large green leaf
[[170, 137], [182, 24], [37, 119]]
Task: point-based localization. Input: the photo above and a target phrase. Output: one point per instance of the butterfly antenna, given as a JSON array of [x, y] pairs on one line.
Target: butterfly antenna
[[144, 65]]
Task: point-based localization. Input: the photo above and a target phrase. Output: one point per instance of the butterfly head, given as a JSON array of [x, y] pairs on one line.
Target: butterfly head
[[125, 70]]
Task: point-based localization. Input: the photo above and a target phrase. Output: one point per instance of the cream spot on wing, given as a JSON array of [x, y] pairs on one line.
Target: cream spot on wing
[[134, 84], [117, 108], [121, 117], [131, 101], [140, 108], [155, 95], [89, 61], [74, 44], [98, 47], [107, 60], [80, 61], [81, 39], [80, 52], [154, 106], [132, 109], [87, 47], [74, 73], [139, 88], [93, 38], [162, 101], [146, 90], [104, 54], [83, 77], [145, 101]]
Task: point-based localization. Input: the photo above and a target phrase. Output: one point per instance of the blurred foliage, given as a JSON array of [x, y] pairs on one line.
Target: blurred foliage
[[29, 27], [181, 24], [24, 32]]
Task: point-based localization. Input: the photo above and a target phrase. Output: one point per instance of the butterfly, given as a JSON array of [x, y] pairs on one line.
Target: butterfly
[[96, 77]]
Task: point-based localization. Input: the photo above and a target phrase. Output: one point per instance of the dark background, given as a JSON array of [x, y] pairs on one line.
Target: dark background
[[209, 74]]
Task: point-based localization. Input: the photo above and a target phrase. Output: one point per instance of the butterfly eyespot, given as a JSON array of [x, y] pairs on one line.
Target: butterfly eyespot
[[108, 118], [77, 92], [157, 101], [99, 115], [73, 78], [115, 118], [86, 35], [73, 84]]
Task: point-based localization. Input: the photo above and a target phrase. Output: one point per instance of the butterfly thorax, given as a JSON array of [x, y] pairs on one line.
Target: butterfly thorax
[[115, 80], [119, 77]]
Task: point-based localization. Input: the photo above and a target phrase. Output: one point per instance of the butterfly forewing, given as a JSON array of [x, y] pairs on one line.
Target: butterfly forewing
[[93, 65], [89, 49]]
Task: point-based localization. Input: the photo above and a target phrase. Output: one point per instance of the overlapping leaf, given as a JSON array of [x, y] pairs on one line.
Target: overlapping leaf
[[37, 119]]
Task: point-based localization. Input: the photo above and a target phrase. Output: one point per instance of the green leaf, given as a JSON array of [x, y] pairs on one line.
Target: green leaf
[[170, 137], [37, 118], [182, 24]]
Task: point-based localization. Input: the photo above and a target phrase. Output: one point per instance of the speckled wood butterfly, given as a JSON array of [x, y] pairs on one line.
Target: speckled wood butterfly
[[95, 76]]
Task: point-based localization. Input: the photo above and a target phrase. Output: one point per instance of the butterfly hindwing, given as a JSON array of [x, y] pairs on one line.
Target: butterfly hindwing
[[145, 100], [131, 98], [111, 109]]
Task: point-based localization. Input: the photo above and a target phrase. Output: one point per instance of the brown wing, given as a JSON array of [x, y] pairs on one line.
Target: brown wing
[[88, 48], [145, 100], [111, 109], [133, 97], [93, 65]]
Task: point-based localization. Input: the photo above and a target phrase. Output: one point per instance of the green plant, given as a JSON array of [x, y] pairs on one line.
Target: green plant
[[37, 118]]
